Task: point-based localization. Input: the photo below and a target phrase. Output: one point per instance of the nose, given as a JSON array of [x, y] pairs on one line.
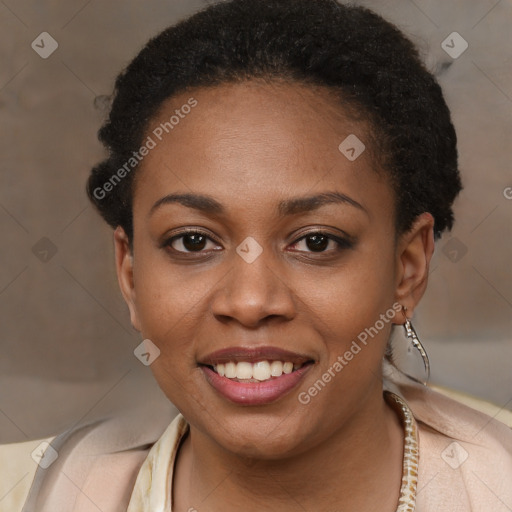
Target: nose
[[254, 292]]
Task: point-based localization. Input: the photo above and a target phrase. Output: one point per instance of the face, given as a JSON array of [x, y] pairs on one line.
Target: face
[[267, 274]]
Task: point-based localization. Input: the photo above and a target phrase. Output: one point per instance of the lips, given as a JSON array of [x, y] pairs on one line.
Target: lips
[[254, 376]]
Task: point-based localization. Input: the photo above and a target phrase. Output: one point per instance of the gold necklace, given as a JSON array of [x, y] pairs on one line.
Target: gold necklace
[[407, 500]]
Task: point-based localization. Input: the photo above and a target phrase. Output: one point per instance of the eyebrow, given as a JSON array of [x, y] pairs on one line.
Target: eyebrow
[[294, 206]]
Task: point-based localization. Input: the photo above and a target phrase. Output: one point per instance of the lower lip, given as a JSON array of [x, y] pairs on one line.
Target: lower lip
[[255, 393]]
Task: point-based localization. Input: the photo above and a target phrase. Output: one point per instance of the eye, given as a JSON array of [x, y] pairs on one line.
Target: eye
[[196, 241], [189, 241], [319, 241]]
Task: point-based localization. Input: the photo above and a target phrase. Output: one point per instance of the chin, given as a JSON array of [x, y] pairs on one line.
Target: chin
[[270, 435], [258, 446]]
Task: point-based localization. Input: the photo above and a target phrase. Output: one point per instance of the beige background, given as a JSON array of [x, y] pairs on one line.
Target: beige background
[[66, 344]]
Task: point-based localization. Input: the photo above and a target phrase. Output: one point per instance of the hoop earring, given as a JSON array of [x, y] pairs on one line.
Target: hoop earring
[[413, 338]]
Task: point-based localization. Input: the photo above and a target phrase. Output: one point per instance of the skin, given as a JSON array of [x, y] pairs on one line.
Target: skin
[[250, 146]]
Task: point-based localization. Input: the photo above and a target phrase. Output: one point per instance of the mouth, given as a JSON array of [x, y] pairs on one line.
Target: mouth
[[255, 376]]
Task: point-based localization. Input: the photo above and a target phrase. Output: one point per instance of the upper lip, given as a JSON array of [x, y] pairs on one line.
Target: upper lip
[[253, 355]]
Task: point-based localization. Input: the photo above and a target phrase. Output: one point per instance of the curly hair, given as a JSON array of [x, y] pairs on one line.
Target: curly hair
[[351, 50]]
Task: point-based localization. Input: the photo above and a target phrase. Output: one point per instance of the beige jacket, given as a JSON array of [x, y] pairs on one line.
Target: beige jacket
[[465, 459]]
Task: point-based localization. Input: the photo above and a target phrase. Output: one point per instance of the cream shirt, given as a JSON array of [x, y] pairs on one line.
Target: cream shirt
[[465, 461]]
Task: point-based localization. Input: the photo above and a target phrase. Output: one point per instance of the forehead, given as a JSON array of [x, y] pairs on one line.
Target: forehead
[[259, 141]]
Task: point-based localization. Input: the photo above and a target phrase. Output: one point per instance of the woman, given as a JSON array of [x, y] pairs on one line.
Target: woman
[[278, 172]]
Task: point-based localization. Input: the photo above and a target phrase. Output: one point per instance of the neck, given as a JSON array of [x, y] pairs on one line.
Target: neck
[[334, 474]]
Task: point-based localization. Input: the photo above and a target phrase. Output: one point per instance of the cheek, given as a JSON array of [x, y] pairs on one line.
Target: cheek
[[163, 300], [348, 309], [173, 310], [347, 315], [165, 293], [354, 294], [167, 303]]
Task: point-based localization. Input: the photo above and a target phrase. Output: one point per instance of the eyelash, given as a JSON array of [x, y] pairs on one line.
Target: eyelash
[[342, 243]]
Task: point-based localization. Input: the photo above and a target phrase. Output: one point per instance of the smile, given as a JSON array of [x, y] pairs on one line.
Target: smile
[[255, 376]]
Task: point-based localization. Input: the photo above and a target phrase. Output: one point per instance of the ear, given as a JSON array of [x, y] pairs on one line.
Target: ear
[[124, 267], [413, 255]]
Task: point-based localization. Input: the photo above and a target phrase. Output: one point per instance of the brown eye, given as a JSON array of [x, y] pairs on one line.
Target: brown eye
[[318, 242], [191, 241]]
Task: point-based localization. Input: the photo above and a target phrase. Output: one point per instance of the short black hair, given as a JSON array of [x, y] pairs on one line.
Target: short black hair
[[349, 49]]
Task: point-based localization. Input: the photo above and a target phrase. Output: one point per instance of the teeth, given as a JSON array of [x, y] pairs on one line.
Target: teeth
[[276, 368], [287, 367], [244, 370], [260, 371], [230, 370]]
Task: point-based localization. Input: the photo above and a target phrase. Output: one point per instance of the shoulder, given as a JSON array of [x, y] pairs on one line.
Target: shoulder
[[465, 454], [18, 464], [97, 465], [110, 480]]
